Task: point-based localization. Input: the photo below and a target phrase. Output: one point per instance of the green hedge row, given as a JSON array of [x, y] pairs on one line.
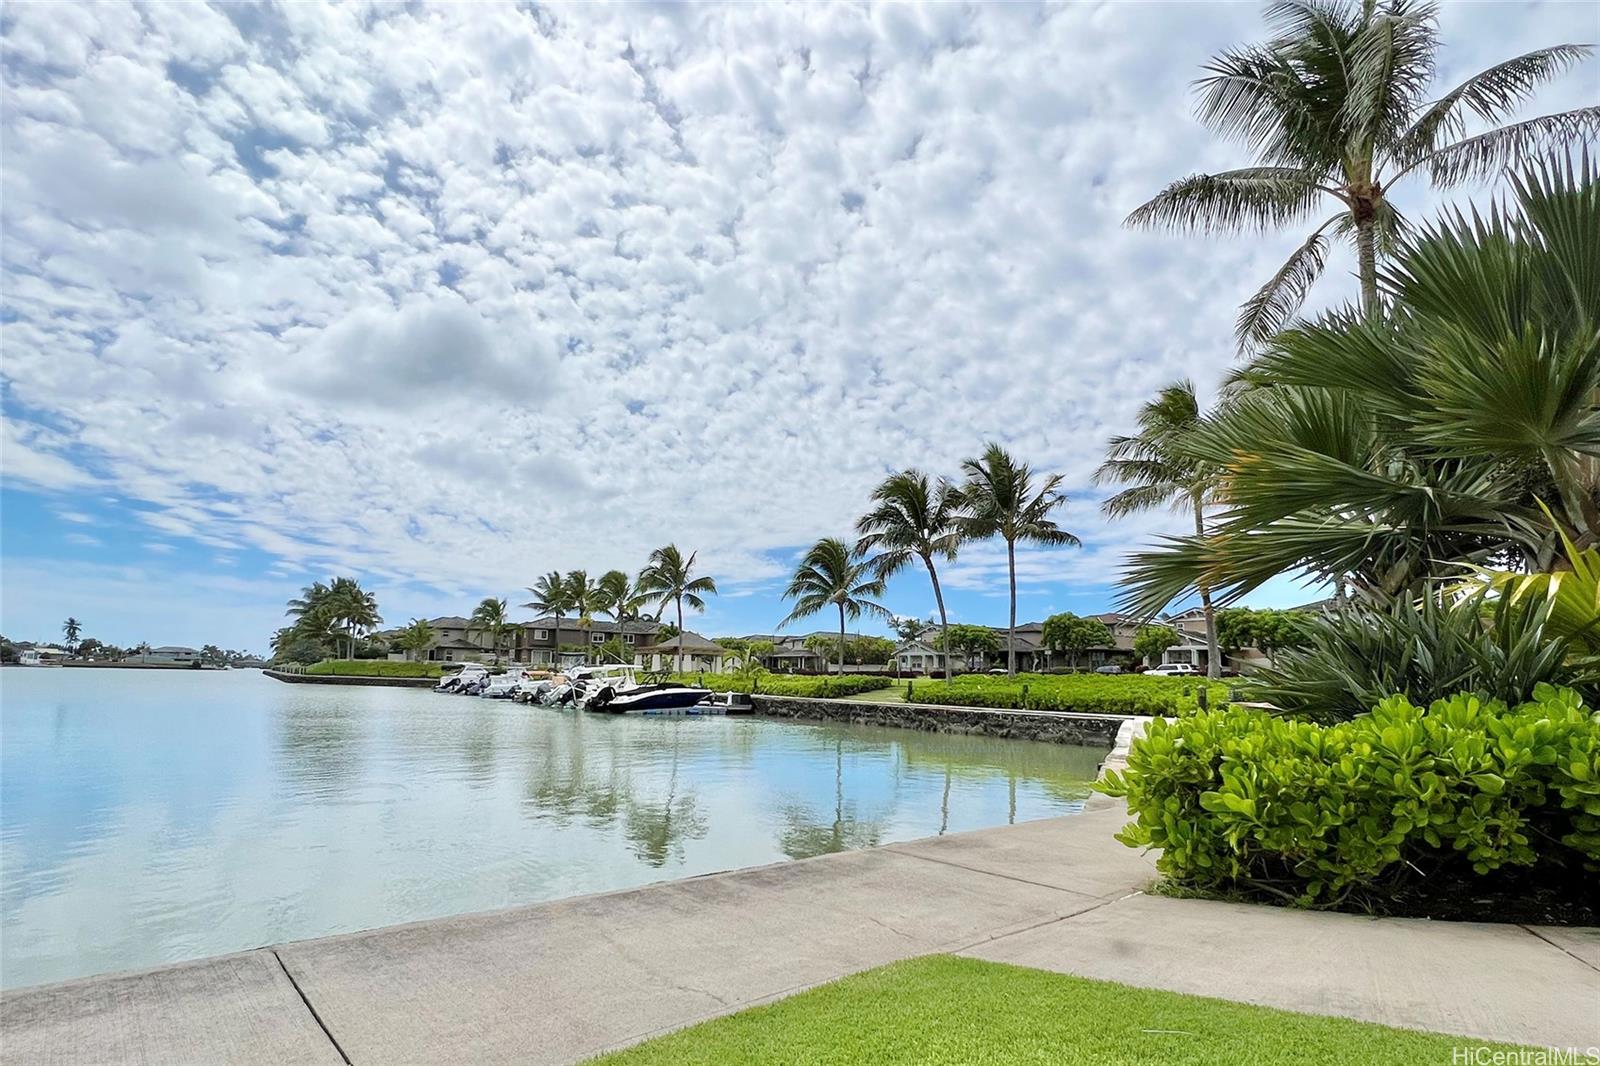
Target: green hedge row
[[373, 668], [1242, 800], [1092, 693], [818, 686]]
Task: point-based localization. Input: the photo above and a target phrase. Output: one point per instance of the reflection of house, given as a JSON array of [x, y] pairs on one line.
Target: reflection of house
[[697, 653]]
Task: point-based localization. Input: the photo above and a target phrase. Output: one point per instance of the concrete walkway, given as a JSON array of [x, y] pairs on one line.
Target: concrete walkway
[[561, 981]]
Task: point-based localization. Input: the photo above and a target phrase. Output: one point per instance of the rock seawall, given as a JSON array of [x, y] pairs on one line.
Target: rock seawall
[[1060, 727], [342, 679]]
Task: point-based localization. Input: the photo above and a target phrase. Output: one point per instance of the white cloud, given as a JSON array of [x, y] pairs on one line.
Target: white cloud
[[464, 293]]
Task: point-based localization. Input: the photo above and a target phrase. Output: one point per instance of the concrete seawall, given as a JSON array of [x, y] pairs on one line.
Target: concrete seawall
[[339, 679], [1061, 727]]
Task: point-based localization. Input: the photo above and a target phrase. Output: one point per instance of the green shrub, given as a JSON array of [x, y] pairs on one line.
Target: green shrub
[[1241, 800], [818, 686], [374, 668], [1089, 693]]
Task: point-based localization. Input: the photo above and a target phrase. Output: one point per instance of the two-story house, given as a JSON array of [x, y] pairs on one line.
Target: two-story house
[[547, 641]]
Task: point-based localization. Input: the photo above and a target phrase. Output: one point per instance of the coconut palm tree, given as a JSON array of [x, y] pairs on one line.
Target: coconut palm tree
[[490, 619], [551, 596], [1160, 472], [1336, 107], [583, 596], [72, 629], [1396, 452], [915, 519], [668, 577], [834, 574], [353, 609], [620, 597], [998, 499]]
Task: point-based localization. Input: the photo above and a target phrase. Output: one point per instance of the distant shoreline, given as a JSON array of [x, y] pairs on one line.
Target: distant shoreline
[[89, 664]]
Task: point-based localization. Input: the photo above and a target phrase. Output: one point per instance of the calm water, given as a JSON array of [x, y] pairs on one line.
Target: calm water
[[147, 817]]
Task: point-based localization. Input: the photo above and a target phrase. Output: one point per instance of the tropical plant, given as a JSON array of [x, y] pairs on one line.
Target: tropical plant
[[1336, 106], [1424, 649], [833, 574], [974, 641], [352, 609], [490, 619], [584, 597], [1237, 800], [1069, 633], [1571, 595], [914, 519], [1151, 641], [998, 498], [551, 596], [668, 577], [72, 629], [1159, 470], [908, 628], [416, 638], [618, 595], [1384, 454]]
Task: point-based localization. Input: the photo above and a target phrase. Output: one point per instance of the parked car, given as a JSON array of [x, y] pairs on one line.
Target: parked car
[[1108, 668], [1172, 670]]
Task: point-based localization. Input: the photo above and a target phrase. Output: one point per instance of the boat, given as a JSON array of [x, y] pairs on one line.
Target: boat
[[463, 680], [616, 690]]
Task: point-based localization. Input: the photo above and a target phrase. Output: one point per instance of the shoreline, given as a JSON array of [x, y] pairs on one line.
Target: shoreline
[[359, 680], [568, 979]]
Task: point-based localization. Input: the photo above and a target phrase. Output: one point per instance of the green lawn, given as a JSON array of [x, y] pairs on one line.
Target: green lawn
[[373, 668], [1092, 693], [943, 1009]]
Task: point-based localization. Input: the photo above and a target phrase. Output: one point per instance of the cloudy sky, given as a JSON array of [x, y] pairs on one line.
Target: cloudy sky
[[448, 297]]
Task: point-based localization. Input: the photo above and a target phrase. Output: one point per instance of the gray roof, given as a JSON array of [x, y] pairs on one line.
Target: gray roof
[[450, 621], [569, 623], [689, 641]]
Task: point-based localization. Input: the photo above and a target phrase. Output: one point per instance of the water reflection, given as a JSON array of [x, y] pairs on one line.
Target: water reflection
[[150, 818]]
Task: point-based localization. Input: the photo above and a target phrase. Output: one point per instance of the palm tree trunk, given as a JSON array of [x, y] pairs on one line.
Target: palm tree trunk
[[680, 634], [1213, 660], [944, 621], [841, 640], [1367, 256], [1011, 632]]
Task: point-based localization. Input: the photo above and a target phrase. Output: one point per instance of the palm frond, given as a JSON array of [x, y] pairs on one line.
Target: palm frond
[[1276, 302], [1253, 198], [1492, 95], [1491, 152]]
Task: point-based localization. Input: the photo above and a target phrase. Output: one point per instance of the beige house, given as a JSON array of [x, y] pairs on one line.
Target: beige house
[[699, 654]]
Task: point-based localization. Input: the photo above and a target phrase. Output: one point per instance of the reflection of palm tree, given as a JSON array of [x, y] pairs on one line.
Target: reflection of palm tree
[[804, 837], [658, 830], [944, 803]]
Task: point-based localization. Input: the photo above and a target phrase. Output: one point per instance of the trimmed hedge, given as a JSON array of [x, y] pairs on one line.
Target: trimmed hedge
[[1091, 693], [1240, 800], [819, 686], [374, 668]]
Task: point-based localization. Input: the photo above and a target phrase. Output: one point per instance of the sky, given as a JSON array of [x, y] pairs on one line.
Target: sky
[[445, 298]]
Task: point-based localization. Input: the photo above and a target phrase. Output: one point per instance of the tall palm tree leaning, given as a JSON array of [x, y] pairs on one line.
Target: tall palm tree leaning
[[914, 519], [998, 499], [619, 596], [1336, 106], [669, 578], [1159, 472], [833, 573]]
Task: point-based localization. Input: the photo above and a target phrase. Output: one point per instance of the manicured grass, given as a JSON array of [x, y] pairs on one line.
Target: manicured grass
[[373, 668], [1093, 693], [943, 1009]]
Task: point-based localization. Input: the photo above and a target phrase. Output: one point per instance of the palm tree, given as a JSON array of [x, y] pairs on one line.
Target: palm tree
[[914, 519], [1159, 472], [1394, 453], [1335, 106], [353, 608], [669, 577], [551, 596], [619, 596], [998, 499], [583, 597], [833, 573], [416, 637], [490, 619], [73, 629]]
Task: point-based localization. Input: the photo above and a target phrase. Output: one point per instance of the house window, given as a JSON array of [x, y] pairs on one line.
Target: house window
[[597, 638], [630, 639], [541, 634]]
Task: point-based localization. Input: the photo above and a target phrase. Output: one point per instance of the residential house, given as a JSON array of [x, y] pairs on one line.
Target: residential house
[[921, 655], [176, 654], [789, 654], [545, 641], [453, 643], [697, 652]]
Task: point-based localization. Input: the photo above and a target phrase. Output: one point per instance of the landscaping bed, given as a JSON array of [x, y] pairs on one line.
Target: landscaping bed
[[816, 686], [943, 1009], [1087, 693]]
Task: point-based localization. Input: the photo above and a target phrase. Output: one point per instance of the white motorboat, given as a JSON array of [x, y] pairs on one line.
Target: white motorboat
[[617, 690], [468, 678]]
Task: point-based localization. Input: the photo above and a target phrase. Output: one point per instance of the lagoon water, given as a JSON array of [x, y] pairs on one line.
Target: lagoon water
[[151, 816]]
